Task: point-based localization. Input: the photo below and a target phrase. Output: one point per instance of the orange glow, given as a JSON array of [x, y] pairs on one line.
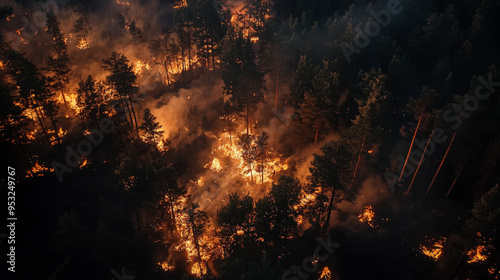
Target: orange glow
[[84, 163], [37, 170], [228, 148], [122, 3], [140, 67], [165, 266], [368, 216], [83, 44], [477, 254], [326, 274], [215, 165], [181, 4], [435, 250]]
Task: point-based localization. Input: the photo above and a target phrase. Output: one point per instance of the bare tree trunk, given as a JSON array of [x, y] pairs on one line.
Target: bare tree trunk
[[172, 211], [411, 146], [62, 92], [248, 113], [44, 130], [132, 128], [166, 68], [458, 174], [135, 117], [277, 81], [358, 163], [442, 161], [420, 163], [330, 208], [55, 128]]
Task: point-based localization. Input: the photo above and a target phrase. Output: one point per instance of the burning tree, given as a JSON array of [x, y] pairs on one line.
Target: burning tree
[[242, 80], [91, 101], [13, 122], [122, 79], [262, 156], [82, 29], [198, 225], [57, 65], [33, 90]]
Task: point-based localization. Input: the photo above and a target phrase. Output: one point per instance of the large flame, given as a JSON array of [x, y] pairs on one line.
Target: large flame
[[435, 250], [326, 274], [368, 216]]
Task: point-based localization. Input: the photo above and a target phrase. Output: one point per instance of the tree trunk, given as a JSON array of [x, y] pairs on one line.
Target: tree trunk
[[277, 81], [132, 128], [248, 113], [62, 91], [420, 163], [166, 68], [172, 211], [358, 163], [262, 171], [135, 117], [137, 218], [330, 208], [442, 161], [44, 130], [55, 128], [458, 174], [411, 146]]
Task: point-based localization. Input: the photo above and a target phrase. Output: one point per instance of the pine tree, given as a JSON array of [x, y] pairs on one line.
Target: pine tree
[[57, 65], [81, 28], [12, 121], [276, 213], [122, 78], [262, 154], [301, 81], [235, 221], [90, 100], [329, 176], [198, 225], [247, 143], [367, 127], [242, 79], [152, 130], [31, 85]]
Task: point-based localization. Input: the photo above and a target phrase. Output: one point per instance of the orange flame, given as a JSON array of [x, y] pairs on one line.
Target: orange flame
[[434, 251]]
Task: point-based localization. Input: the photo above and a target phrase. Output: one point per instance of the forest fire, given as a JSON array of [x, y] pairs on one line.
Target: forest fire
[[434, 250], [83, 44], [140, 67], [258, 161], [326, 274], [205, 139], [477, 254], [38, 170]]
